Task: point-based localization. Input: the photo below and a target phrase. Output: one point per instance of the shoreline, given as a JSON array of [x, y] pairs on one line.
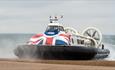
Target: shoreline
[[65, 62], [29, 64], [17, 64]]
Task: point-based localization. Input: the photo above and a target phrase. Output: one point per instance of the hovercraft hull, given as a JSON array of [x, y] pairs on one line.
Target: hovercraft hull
[[60, 52]]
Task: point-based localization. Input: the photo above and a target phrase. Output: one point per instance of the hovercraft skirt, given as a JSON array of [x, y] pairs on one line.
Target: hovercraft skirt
[[62, 52]]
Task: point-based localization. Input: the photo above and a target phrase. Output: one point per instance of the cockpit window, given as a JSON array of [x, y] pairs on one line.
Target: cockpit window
[[52, 28], [61, 28]]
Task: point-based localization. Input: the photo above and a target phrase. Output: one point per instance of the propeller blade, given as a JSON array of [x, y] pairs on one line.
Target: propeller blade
[[94, 34], [88, 34]]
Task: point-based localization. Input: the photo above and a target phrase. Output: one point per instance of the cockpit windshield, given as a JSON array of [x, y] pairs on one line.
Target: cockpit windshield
[[55, 28]]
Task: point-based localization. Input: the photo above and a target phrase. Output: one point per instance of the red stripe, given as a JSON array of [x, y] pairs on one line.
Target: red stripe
[[67, 37], [36, 41], [64, 35], [49, 40], [37, 35]]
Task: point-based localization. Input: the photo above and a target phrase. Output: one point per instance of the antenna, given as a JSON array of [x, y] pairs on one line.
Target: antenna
[[54, 18]]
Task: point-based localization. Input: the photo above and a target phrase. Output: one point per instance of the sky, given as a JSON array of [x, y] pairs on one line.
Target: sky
[[32, 16]]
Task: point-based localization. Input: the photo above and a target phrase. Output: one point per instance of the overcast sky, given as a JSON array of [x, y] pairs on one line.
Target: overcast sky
[[31, 16]]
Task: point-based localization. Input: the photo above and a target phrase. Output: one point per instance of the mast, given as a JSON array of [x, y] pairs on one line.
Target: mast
[[54, 19]]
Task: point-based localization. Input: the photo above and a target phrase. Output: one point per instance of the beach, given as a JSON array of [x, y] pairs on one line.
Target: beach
[[25, 64]]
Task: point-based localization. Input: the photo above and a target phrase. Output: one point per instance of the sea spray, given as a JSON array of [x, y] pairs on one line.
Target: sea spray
[[8, 42], [112, 51]]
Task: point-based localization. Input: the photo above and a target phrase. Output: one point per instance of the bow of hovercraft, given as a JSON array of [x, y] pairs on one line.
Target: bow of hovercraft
[[64, 43]]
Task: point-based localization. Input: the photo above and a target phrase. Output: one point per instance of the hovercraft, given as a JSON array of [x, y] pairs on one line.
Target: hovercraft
[[64, 43]]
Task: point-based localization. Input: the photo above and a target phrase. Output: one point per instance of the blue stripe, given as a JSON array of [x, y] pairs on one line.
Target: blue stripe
[[60, 42]]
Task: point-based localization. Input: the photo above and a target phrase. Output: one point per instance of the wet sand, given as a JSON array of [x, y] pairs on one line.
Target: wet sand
[[16, 64]]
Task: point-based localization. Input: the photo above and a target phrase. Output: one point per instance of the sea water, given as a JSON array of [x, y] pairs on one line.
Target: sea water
[[8, 42]]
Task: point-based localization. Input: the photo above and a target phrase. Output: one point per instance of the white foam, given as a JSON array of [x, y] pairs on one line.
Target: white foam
[[111, 56]]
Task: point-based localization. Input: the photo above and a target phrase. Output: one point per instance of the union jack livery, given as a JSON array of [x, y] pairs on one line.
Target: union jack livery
[[54, 35]]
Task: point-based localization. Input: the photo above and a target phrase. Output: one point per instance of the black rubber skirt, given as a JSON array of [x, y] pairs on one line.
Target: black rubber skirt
[[60, 52]]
